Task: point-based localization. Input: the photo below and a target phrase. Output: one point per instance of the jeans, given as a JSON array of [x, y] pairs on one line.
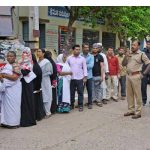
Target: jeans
[[144, 88], [97, 91], [122, 81], [89, 90], [76, 85], [104, 88]]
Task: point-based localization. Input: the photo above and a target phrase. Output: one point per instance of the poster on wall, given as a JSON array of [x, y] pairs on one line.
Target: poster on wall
[[62, 38], [52, 36]]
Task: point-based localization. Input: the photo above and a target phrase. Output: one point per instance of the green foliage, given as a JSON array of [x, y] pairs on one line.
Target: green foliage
[[127, 21]]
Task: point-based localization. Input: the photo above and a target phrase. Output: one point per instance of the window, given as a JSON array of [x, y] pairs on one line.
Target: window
[[25, 32], [91, 37], [42, 36]]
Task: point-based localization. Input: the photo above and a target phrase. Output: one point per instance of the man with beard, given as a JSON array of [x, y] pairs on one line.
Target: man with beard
[[134, 62], [122, 78]]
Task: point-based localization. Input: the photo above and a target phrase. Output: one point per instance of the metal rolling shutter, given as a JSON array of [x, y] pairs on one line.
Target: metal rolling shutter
[[108, 40]]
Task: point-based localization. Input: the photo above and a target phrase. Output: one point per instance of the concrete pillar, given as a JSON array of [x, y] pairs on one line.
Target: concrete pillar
[[33, 25]]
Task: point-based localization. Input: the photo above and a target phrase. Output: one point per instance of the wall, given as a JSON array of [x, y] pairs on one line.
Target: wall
[[53, 26]]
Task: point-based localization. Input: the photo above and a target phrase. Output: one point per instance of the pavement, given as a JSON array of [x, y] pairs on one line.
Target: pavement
[[98, 129]]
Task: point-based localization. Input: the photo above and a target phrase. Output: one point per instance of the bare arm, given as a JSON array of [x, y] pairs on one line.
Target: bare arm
[[65, 73], [12, 77], [125, 61]]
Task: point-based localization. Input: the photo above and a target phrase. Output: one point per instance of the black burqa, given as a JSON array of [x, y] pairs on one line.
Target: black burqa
[[39, 108], [53, 77], [27, 103]]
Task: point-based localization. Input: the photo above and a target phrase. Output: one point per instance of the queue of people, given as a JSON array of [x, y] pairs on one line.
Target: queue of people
[[105, 76]]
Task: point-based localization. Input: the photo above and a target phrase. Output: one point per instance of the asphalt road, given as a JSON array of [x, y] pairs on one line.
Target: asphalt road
[[98, 129]]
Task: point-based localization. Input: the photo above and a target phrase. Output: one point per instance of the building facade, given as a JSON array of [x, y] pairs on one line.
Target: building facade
[[46, 26]]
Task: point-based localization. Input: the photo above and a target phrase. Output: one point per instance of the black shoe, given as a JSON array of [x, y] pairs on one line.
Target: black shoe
[[104, 101], [90, 106], [94, 101], [100, 104], [72, 107], [80, 109], [86, 104], [144, 104], [76, 106], [129, 114], [136, 116], [9, 127]]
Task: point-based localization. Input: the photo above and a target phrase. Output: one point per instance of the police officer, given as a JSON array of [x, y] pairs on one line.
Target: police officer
[[134, 62], [145, 78]]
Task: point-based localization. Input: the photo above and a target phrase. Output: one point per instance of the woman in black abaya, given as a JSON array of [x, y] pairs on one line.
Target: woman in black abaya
[[27, 99], [27, 102], [39, 108]]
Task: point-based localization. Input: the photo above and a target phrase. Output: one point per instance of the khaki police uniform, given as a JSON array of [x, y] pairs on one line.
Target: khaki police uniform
[[133, 83]]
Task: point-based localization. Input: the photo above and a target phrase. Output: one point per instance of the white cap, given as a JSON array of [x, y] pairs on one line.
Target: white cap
[[99, 44]]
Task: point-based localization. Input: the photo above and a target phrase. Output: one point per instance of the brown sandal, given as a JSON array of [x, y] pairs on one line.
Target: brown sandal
[[99, 104], [129, 114]]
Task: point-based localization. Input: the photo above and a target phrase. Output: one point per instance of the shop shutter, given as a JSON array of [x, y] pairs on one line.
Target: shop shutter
[[108, 40]]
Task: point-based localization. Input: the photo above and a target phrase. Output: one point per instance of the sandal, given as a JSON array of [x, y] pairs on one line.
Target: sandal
[[99, 104]]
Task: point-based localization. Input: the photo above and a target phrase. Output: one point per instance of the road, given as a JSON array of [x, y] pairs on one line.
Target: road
[[98, 129]]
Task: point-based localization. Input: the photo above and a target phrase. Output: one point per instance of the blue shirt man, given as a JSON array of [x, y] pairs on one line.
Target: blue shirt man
[[90, 63]]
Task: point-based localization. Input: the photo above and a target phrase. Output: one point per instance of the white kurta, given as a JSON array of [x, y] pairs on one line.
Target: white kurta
[[47, 70], [106, 70], [11, 99]]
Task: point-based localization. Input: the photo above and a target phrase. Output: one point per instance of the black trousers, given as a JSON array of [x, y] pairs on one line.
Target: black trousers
[[77, 85], [122, 81], [144, 89], [89, 90]]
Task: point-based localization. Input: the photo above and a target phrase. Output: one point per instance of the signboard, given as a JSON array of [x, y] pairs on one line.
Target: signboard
[[62, 12], [52, 36], [58, 11]]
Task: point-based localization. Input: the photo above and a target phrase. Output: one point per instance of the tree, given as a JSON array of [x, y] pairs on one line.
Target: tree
[[128, 22], [88, 14]]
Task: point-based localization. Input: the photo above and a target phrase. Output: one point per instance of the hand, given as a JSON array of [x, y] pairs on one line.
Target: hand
[[84, 79], [70, 73], [1, 76], [102, 78], [142, 75], [106, 76], [54, 83], [127, 53], [118, 76]]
